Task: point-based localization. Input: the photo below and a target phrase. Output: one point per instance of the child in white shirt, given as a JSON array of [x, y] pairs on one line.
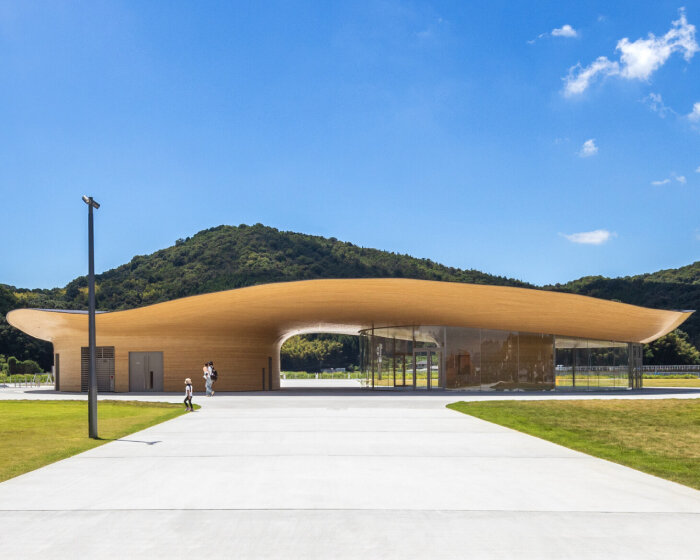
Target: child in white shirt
[[188, 395]]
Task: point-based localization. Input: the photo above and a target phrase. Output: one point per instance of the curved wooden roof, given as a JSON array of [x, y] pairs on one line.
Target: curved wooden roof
[[348, 305]]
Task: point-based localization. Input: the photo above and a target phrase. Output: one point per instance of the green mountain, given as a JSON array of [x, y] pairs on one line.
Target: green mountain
[[228, 257]]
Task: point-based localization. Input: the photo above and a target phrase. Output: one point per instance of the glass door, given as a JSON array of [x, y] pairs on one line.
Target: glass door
[[403, 370], [426, 368]]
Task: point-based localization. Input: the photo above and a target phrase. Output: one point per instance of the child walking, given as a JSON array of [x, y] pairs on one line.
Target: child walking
[[188, 395]]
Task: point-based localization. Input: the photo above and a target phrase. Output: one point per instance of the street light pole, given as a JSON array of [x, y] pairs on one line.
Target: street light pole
[[92, 375]]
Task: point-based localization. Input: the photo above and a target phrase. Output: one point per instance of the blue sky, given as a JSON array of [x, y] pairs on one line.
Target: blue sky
[[541, 141]]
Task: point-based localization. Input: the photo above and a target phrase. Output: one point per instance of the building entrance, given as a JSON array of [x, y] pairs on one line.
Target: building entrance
[[426, 368], [403, 373], [401, 357]]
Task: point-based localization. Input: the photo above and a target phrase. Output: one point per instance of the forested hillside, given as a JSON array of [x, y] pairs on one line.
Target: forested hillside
[[14, 342], [677, 288], [228, 257]]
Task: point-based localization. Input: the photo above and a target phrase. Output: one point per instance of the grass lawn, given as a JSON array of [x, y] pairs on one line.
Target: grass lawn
[[661, 382], [36, 433], [660, 437]]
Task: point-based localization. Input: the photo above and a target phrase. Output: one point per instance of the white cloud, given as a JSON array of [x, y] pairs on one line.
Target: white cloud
[[638, 59], [698, 169], [588, 149], [597, 237], [656, 104], [564, 31], [680, 178], [580, 78], [694, 115]]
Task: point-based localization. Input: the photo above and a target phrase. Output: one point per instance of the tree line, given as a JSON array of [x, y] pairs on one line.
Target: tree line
[[11, 366]]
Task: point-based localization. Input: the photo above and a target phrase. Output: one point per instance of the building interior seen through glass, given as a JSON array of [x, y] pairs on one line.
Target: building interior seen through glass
[[427, 357]]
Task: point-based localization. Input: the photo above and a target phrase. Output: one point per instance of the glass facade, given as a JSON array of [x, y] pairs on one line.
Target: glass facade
[[584, 364], [426, 357]]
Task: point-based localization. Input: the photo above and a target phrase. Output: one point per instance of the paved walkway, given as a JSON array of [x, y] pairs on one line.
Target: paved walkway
[[328, 475]]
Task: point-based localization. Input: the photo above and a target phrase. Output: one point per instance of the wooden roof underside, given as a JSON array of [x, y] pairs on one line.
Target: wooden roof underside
[[348, 305]]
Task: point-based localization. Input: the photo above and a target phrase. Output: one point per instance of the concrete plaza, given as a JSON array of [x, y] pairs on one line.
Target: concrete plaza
[[343, 474]]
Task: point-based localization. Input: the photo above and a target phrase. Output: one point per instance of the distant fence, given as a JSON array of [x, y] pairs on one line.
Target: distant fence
[[322, 375], [26, 379], [671, 370]]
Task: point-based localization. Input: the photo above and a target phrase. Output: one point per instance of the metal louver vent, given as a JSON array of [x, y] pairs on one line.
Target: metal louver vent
[[105, 368]]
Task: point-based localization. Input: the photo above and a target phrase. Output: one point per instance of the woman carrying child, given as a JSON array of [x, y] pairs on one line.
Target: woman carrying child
[[207, 379]]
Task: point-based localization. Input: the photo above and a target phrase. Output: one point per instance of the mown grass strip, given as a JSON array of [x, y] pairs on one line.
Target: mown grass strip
[[36, 433], [659, 437], [671, 382]]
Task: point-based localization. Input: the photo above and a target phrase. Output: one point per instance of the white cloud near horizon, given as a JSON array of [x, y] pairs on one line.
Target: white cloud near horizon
[[681, 179], [698, 169], [588, 149], [638, 60], [596, 237], [662, 182]]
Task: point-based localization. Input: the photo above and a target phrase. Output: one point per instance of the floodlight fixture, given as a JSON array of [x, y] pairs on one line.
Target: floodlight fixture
[[91, 202]]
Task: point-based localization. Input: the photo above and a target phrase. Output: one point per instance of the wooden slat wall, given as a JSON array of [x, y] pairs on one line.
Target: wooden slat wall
[[238, 360]]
